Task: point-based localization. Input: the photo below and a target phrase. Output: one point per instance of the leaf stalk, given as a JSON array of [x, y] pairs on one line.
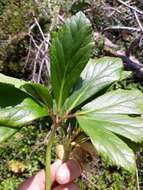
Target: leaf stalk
[[48, 157]]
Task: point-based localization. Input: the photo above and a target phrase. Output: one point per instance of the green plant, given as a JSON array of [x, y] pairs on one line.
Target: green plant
[[77, 100], [3, 3]]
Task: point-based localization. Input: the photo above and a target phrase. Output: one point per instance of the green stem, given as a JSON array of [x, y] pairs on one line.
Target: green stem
[[48, 158], [137, 179]]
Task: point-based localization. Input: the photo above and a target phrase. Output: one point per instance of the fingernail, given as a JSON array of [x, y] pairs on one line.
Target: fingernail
[[63, 175]]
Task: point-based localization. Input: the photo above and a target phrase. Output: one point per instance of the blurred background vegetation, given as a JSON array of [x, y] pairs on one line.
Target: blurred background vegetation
[[21, 23]]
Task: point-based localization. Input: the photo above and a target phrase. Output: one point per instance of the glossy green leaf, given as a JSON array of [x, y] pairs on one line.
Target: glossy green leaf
[[10, 80], [117, 102], [123, 125], [113, 150], [18, 108], [98, 74], [70, 51], [39, 92], [101, 119], [6, 132]]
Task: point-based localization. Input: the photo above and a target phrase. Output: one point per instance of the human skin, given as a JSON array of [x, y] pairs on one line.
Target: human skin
[[62, 175]]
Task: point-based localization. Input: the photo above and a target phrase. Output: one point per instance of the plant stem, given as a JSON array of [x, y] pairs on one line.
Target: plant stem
[[137, 179], [48, 158]]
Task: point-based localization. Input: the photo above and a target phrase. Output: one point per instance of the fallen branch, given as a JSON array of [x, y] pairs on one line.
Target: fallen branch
[[130, 62]]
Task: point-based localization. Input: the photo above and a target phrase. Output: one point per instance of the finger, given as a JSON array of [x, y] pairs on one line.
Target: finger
[[70, 186], [54, 168], [39, 178], [37, 182], [67, 172]]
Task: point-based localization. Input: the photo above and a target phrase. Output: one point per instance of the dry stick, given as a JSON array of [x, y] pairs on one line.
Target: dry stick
[[31, 28], [141, 41], [122, 28], [30, 43], [44, 61], [44, 54], [38, 25], [42, 34], [112, 8], [47, 64], [137, 68], [138, 21], [46, 45], [141, 27], [40, 70], [41, 49], [46, 42], [36, 57], [130, 65], [131, 7], [61, 18]]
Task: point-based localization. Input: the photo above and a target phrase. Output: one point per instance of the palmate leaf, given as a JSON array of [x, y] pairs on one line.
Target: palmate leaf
[[108, 116], [112, 149], [10, 80], [117, 102], [17, 108], [98, 74], [123, 125], [21, 114], [70, 51], [37, 91]]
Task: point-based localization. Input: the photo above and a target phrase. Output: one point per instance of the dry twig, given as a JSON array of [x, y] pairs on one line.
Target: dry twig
[[41, 52], [123, 28], [131, 7], [138, 20], [39, 49]]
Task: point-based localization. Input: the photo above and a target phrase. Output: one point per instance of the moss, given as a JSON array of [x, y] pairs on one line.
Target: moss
[[3, 3], [16, 17], [14, 23]]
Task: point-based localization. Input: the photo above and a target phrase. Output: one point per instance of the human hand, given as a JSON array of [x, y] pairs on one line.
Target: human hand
[[62, 177]]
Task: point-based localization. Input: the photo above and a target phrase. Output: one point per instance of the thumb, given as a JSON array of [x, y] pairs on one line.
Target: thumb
[[68, 171]]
